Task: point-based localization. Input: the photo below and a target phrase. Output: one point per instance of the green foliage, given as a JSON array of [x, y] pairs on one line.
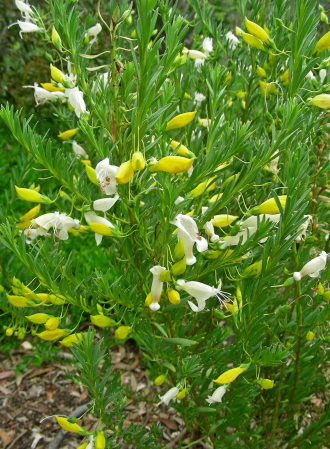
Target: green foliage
[[253, 139]]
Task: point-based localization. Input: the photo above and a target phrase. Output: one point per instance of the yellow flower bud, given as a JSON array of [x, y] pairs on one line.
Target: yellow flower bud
[[228, 78], [253, 41], [238, 31], [20, 335], [268, 87], [171, 164], [32, 213], [257, 31], [160, 380], [73, 338], [99, 442], [230, 375], [183, 393], [215, 197], [240, 94], [138, 161], [320, 289], [180, 120], [69, 133], [84, 445], [253, 270], [179, 250], [122, 332], [148, 300], [323, 43], [56, 300], [125, 173], [285, 76], [261, 72], [179, 267], [9, 332], [326, 296], [2, 289], [90, 172], [232, 308], [181, 149], [59, 76], [267, 384], [51, 88], [20, 301], [173, 296], [31, 195], [100, 228], [53, 335], [321, 101], [269, 206], [38, 318], [102, 321], [165, 276], [271, 59], [133, 34], [221, 221], [52, 324], [56, 39], [200, 189], [310, 336], [70, 427]]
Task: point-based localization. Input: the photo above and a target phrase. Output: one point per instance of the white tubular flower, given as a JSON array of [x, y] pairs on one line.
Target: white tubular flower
[[179, 200], [78, 150], [209, 228], [23, 7], [156, 287], [201, 292], [312, 268], [303, 227], [273, 165], [91, 217], [27, 27], [171, 394], [232, 39], [104, 204], [77, 101], [94, 31], [199, 98], [194, 54], [252, 222], [217, 395], [207, 45], [233, 240], [31, 234], [106, 174], [198, 63], [60, 223], [42, 95], [188, 232], [310, 76], [323, 74]]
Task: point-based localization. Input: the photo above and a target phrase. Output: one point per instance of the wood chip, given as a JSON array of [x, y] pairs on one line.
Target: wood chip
[[169, 423], [5, 437], [6, 374]]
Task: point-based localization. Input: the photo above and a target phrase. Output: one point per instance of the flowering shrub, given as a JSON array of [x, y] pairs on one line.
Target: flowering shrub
[[196, 180]]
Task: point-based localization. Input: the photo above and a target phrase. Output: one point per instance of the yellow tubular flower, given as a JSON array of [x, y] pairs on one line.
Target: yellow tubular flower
[[270, 206], [180, 120], [51, 88], [68, 341], [323, 43], [56, 300], [38, 318], [256, 31], [171, 164], [31, 214], [223, 220], [138, 161], [102, 321], [52, 324], [69, 133], [83, 446], [173, 296], [31, 195], [20, 301], [90, 172], [70, 427], [230, 375], [261, 72], [160, 380], [321, 101], [100, 228], [182, 150], [253, 41], [59, 76], [99, 442], [53, 335], [23, 224], [125, 173], [122, 332], [148, 300]]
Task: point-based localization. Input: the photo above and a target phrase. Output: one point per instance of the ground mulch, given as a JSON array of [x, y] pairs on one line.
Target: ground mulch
[[30, 395]]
